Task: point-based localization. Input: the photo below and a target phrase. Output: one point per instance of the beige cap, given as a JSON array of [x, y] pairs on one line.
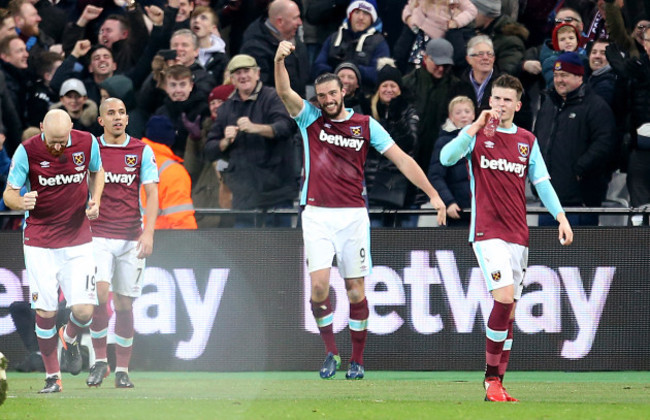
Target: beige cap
[[241, 61]]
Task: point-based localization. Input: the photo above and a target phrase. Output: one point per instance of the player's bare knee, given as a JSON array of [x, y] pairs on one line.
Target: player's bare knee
[[83, 313], [122, 303]]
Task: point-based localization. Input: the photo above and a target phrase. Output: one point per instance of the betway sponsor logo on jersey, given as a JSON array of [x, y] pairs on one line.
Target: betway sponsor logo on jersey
[[339, 140], [111, 178], [503, 165], [61, 179]]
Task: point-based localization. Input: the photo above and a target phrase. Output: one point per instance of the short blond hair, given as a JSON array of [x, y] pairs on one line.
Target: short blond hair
[[460, 100]]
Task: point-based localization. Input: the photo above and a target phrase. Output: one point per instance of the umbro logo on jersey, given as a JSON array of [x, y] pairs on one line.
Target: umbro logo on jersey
[[45, 164], [489, 144]]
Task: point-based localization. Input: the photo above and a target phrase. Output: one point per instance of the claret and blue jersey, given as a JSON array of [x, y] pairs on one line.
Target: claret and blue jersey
[[498, 168], [335, 154]]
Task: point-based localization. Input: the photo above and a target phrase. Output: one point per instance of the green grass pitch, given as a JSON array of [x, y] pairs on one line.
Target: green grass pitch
[[303, 395]]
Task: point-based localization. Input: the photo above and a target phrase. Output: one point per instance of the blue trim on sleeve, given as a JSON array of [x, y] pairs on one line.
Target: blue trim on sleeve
[[457, 148], [19, 168], [148, 169], [95, 163], [379, 137]]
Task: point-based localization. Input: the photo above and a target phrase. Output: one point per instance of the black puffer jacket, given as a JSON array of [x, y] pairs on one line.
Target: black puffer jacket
[[578, 141], [400, 119]]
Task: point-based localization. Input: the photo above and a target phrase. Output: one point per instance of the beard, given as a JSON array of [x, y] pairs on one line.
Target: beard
[[336, 112], [54, 152]]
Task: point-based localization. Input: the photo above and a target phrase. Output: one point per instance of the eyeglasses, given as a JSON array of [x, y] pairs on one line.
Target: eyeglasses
[[641, 26], [567, 19], [482, 54]]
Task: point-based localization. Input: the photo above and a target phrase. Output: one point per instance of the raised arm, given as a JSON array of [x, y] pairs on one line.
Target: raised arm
[[292, 101]]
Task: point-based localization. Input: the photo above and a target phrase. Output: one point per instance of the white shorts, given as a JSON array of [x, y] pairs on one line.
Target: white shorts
[[502, 263], [341, 231], [118, 264], [72, 268]]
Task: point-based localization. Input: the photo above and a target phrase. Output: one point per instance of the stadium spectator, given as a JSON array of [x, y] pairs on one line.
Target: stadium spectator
[[357, 40], [632, 43], [325, 16], [387, 187], [120, 241], [58, 248], [355, 97], [212, 49], [13, 63], [83, 111], [565, 38], [175, 207], [41, 95], [335, 218], [186, 45], [602, 79], [7, 24], [499, 237], [27, 22], [507, 35], [430, 19], [57, 17], [182, 98], [576, 133], [208, 190], [262, 37], [185, 8], [637, 71], [452, 183], [255, 134], [532, 63], [434, 86]]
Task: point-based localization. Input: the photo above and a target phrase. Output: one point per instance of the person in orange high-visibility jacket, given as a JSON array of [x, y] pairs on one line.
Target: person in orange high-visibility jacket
[[176, 210]]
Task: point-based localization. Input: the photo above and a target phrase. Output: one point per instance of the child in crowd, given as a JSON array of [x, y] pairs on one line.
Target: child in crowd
[[452, 183], [565, 39]]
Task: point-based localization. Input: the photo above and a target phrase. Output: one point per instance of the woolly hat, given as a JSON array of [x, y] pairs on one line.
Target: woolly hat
[[569, 62], [368, 6], [489, 8], [389, 72], [440, 51], [351, 66], [160, 129], [556, 43], [221, 92], [121, 87]]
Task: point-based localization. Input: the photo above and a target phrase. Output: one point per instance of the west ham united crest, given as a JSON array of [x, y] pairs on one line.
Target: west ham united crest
[[79, 158], [523, 148], [496, 276], [356, 131], [131, 160]]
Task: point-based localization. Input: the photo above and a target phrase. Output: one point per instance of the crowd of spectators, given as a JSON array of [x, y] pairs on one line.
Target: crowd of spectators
[[198, 74]]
